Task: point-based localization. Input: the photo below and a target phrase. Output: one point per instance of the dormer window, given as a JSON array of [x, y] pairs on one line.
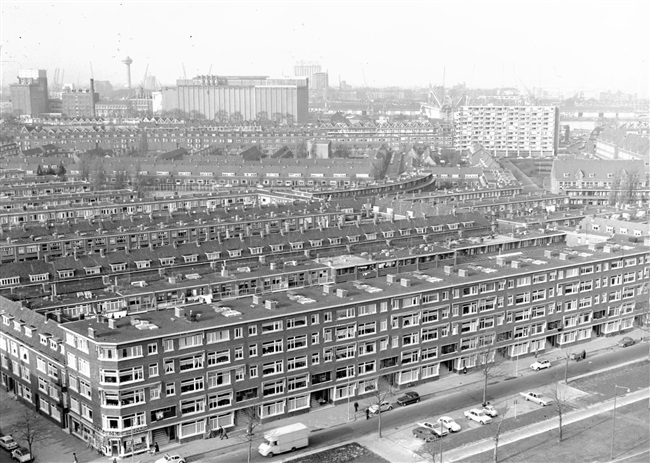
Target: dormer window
[[277, 247], [468, 224], [256, 250], [371, 236], [39, 277], [234, 252], [142, 264], [93, 270], [53, 344], [453, 226], [388, 234], [18, 324], [353, 239], [121, 267], [191, 258], [335, 240], [43, 338], [29, 331], [437, 228], [9, 281], [419, 230], [65, 273], [6, 319], [297, 246], [213, 255], [169, 261], [405, 232], [316, 243]]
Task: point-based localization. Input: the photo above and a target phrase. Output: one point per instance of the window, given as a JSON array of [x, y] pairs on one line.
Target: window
[[218, 336], [272, 347], [218, 378], [219, 357], [272, 327], [153, 370], [296, 342], [152, 349], [191, 406], [192, 385], [191, 363], [190, 341], [272, 368], [220, 400]]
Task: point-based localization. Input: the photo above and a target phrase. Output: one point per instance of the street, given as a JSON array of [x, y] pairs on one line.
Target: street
[[444, 404]]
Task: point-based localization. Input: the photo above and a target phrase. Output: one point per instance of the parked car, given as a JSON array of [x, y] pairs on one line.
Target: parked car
[[409, 397], [625, 342], [440, 431], [477, 415], [537, 398], [489, 410], [8, 443], [541, 365], [167, 458], [425, 433], [21, 454], [449, 423], [384, 406]]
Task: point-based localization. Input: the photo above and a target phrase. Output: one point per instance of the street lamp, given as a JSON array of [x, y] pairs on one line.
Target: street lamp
[[614, 418]]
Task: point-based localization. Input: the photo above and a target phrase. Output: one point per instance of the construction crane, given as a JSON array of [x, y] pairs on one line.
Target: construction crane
[[144, 79], [184, 73]]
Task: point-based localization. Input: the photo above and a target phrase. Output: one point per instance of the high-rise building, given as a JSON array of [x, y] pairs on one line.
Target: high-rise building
[[306, 69], [509, 130], [320, 84], [29, 96], [240, 98], [80, 103]]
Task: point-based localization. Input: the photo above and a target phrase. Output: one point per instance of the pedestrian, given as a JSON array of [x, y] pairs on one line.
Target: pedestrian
[[74, 458], [356, 407], [225, 434], [367, 413], [220, 431], [155, 447]]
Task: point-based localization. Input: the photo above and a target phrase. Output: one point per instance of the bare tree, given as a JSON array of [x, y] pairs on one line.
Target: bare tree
[[382, 391], [251, 420], [486, 365], [503, 411], [430, 450], [560, 404], [30, 428]]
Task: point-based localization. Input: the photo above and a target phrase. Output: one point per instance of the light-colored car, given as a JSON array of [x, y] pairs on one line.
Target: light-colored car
[[435, 427], [21, 454], [541, 365], [449, 423], [537, 398], [167, 458], [477, 415], [8, 443], [489, 410], [384, 406]]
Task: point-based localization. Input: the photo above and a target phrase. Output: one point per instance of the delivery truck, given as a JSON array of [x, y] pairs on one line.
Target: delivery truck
[[284, 439]]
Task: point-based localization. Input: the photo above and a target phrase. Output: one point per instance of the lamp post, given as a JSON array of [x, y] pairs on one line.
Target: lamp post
[[441, 442], [614, 417]]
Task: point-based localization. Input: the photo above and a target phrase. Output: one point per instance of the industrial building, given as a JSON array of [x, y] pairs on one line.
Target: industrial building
[[29, 97], [240, 98], [80, 102]]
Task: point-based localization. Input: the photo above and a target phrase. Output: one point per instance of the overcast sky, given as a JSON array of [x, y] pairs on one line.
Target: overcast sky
[[570, 44]]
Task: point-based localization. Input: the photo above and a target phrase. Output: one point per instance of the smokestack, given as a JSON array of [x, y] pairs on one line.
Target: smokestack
[[92, 97]]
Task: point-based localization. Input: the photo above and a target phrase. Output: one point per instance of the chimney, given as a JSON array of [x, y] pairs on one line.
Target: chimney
[[112, 323], [91, 332], [179, 312]]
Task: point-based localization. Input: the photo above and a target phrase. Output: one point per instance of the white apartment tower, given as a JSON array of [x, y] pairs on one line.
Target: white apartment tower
[[509, 131]]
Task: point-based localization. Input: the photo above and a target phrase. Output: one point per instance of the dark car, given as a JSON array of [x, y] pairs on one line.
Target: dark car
[[424, 433], [625, 342], [409, 397]]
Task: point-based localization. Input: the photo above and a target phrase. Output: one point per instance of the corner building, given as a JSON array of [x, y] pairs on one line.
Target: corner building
[[177, 374]]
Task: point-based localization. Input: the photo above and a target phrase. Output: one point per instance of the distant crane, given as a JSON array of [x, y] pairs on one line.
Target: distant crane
[[184, 73], [144, 79]]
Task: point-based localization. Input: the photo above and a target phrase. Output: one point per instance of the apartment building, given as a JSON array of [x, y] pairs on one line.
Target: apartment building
[[510, 131], [135, 376], [601, 182]]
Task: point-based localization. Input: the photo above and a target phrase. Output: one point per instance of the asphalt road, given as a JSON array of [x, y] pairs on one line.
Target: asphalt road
[[432, 405]]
